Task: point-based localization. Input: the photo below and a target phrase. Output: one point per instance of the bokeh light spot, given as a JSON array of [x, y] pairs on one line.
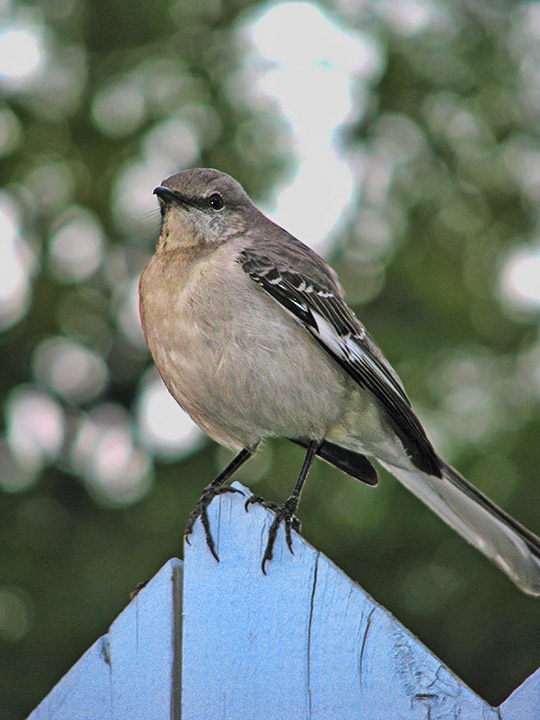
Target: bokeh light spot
[[520, 278], [20, 52], [104, 453], [135, 208], [127, 299], [35, 427], [15, 614], [17, 260], [11, 133], [76, 247], [118, 109], [164, 427], [71, 369], [312, 81]]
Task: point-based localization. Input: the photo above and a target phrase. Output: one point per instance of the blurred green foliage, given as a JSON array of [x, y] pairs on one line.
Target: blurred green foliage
[[446, 148]]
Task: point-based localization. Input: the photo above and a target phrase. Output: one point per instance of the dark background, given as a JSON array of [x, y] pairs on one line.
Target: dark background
[[448, 194]]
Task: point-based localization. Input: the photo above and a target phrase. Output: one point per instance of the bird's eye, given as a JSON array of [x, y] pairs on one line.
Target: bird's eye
[[216, 201]]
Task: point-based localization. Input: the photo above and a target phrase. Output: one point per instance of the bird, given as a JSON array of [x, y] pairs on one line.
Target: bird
[[249, 329]]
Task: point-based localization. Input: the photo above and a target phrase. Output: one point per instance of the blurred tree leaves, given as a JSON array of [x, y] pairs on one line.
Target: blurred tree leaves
[[445, 149]]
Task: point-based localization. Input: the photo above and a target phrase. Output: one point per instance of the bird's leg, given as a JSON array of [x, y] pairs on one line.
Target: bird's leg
[[209, 493], [285, 513]]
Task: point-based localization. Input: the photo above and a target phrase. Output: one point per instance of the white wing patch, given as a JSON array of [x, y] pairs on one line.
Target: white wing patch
[[324, 314], [329, 337], [300, 305], [344, 346]]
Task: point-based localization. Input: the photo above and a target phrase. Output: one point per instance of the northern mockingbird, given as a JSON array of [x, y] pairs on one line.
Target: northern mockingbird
[[251, 335]]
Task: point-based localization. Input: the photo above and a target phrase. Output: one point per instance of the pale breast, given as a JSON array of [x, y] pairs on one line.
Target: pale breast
[[233, 359]]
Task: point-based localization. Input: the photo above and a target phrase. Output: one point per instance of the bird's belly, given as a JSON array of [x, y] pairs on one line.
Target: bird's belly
[[241, 382]]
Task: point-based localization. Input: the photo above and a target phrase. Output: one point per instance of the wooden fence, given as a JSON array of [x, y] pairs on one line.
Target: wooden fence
[[209, 641]]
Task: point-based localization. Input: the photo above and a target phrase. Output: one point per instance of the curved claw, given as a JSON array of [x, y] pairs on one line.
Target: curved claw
[[259, 500], [252, 499], [228, 488], [284, 514], [288, 538], [200, 510]]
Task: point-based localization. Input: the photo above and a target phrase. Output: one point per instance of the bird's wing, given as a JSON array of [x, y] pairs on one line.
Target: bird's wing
[[324, 314]]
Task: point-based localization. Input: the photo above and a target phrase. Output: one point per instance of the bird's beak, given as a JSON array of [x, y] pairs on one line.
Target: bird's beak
[[166, 194]]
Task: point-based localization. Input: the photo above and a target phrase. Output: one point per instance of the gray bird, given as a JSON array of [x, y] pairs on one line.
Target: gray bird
[[250, 332]]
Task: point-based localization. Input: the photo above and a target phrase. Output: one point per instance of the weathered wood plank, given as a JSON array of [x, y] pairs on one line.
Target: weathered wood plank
[[133, 672], [303, 641], [83, 693], [524, 702]]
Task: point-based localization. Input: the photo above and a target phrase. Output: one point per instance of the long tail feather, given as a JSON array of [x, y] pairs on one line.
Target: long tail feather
[[502, 539]]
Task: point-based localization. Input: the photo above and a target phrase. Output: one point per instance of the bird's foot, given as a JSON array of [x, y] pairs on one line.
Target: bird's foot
[[284, 514], [201, 510]]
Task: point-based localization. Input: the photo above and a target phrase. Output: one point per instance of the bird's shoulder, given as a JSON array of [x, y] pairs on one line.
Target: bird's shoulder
[[277, 250]]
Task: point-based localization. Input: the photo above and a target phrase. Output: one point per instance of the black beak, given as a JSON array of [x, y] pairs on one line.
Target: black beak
[[167, 195]]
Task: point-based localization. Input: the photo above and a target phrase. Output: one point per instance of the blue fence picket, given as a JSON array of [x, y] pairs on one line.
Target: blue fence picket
[[133, 672], [303, 641]]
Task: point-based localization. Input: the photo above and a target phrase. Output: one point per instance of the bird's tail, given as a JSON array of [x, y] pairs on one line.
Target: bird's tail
[[502, 539]]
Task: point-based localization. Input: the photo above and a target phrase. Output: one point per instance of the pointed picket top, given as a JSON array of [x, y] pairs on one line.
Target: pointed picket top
[[132, 672], [303, 641], [524, 702]]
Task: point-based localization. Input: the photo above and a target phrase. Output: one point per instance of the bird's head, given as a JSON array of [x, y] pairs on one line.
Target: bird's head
[[202, 207]]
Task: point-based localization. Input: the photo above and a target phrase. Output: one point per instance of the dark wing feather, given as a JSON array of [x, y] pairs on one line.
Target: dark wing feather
[[330, 321]]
